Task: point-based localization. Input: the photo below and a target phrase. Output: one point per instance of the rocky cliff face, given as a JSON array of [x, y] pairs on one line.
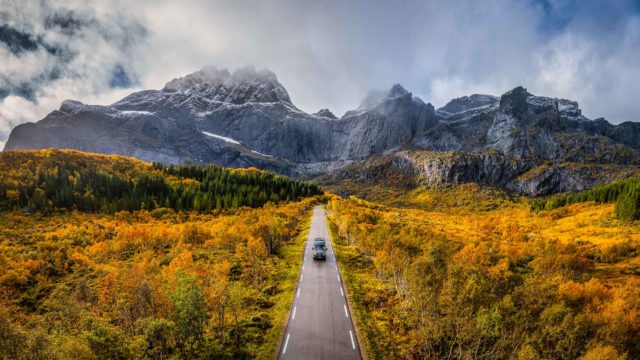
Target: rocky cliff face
[[246, 118], [440, 169]]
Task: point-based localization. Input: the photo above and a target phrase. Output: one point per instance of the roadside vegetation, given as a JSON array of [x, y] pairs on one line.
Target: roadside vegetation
[[145, 284], [489, 280]]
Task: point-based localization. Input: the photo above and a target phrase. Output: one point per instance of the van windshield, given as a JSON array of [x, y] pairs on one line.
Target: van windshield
[[319, 247]]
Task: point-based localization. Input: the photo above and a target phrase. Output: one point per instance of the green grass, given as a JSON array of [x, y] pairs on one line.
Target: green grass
[[291, 255]]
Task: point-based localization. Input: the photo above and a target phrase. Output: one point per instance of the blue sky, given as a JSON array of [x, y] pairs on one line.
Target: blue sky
[[327, 53]]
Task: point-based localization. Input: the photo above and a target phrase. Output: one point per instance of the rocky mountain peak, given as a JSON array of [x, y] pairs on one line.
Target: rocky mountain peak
[[397, 90], [70, 106], [208, 75], [242, 86], [377, 97], [515, 101], [467, 103], [326, 113]]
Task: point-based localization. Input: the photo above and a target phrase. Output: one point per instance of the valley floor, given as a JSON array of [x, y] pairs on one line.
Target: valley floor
[[467, 272], [188, 270]]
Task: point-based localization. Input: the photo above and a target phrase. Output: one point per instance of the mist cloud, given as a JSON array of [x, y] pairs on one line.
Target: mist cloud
[[327, 54], [54, 50]]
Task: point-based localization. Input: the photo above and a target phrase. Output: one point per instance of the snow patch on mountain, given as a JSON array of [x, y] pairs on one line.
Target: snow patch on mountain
[[136, 112], [227, 139], [204, 113], [233, 141], [261, 154]]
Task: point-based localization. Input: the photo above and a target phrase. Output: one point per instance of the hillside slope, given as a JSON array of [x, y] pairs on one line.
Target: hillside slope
[[46, 180]]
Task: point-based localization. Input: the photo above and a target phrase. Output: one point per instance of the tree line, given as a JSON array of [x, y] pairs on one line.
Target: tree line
[[624, 193], [68, 185]]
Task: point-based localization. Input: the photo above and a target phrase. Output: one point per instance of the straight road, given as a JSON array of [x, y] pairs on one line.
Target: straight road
[[320, 324]]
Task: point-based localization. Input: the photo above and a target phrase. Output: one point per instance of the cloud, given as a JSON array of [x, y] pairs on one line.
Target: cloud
[[327, 54], [601, 73], [332, 53], [51, 51]]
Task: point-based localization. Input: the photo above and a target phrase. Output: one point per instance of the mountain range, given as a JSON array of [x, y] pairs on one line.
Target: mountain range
[[529, 144]]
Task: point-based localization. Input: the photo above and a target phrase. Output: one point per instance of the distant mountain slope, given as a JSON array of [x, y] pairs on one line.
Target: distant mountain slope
[[246, 118]]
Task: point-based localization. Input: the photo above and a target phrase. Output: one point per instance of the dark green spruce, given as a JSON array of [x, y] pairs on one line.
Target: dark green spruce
[[67, 186], [625, 193]]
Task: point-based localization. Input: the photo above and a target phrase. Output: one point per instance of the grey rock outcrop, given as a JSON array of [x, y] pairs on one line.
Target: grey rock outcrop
[[325, 113], [490, 168], [466, 103]]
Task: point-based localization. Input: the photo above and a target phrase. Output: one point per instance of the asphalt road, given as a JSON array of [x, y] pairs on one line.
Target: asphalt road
[[320, 324]]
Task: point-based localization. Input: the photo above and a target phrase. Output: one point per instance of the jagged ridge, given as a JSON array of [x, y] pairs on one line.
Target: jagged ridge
[[246, 118]]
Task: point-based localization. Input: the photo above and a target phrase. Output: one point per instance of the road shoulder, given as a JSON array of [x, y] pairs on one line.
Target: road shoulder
[[364, 349], [295, 253]]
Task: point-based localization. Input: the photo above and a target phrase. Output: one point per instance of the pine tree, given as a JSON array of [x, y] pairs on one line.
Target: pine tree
[[628, 205]]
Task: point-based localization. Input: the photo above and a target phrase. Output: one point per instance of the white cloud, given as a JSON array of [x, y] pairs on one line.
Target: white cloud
[[331, 53], [78, 47], [601, 77]]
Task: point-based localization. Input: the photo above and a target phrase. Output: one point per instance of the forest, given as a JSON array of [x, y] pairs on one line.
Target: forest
[[487, 277], [49, 180], [111, 278], [624, 193], [134, 260]]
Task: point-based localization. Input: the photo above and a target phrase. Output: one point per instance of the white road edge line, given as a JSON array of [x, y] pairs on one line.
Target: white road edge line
[[341, 292], [294, 313], [298, 295], [302, 267], [353, 344], [301, 276], [286, 342], [345, 311]]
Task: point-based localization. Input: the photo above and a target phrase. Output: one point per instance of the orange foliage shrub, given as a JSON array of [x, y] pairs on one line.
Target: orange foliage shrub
[[113, 286], [493, 284]]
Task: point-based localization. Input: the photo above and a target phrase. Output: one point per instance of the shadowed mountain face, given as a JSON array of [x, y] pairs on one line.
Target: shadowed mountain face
[[246, 118]]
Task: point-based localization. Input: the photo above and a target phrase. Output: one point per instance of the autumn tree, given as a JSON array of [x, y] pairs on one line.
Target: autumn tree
[[189, 314]]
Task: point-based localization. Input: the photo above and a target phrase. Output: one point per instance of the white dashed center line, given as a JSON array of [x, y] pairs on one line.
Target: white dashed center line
[[316, 266]]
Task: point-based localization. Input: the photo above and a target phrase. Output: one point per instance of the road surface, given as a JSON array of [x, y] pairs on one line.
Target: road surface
[[320, 324]]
